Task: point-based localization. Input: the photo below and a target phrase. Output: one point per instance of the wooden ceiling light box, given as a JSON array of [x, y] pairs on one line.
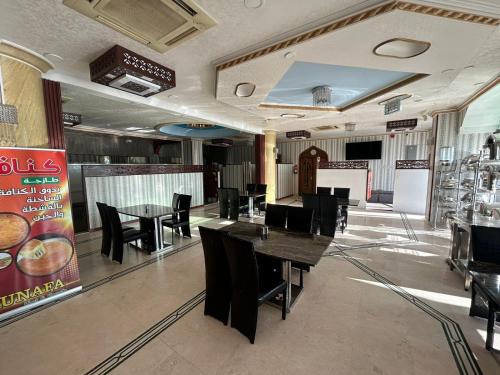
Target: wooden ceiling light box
[[401, 125], [125, 70], [224, 142], [299, 134]]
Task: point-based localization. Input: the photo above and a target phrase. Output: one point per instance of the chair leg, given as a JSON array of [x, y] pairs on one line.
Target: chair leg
[[172, 236], [301, 278], [283, 306]]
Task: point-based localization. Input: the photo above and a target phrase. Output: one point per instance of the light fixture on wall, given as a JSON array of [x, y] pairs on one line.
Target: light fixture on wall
[[322, 96]]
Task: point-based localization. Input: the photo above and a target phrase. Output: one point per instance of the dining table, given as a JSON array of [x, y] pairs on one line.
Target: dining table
[[348, 202], [156, 213], [285, 245]]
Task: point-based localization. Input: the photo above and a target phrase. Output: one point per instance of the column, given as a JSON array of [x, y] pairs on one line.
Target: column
[[260, 164], [270, 164], [22, 97]]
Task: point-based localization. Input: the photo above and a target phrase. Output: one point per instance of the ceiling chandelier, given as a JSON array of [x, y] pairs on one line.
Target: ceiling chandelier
[[322, 96]]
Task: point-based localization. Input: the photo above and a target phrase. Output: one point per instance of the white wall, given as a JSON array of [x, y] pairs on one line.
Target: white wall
[[284, 180], [355, 179], [410, 190]]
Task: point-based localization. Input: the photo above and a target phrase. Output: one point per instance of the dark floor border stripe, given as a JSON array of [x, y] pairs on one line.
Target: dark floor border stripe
[[462, 354], [84, 255], [409, 229], [96, 284], [120, 356]]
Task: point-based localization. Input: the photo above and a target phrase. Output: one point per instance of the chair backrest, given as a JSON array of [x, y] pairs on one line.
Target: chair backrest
[[276, 215], [242, 267], [233, 195], [261, 188], [299, 219], [342, 192], [185, 206], [485, 244], [311, 201], [175, 200], [217, 276], [115, 224], [321, 190], [101, 207], [223, 202], [251, 188], [329, 213]]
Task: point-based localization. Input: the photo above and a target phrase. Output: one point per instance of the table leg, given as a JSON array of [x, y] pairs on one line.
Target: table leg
[[288, 279], [490, 331], [250, 207], [158, 234]]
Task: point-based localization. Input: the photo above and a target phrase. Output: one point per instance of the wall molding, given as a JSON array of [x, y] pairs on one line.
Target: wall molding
[[106, 170], [24, 55]]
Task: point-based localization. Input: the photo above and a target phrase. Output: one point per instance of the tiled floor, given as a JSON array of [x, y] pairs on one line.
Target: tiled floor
[[381, 301]]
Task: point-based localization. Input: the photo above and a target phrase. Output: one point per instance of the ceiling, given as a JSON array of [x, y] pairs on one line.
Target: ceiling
[[463, 57]]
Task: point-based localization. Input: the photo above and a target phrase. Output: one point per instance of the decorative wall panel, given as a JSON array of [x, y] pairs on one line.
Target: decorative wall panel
[[123, 191], [383, 170], [284, 180], [238, 176]]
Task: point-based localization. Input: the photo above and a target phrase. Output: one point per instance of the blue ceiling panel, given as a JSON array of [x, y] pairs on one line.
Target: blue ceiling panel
[[348, 84], [184, 130]]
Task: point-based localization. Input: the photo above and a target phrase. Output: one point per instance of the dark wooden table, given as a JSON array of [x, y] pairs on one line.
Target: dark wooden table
[[152, 212], [347, 202], [487, 285], [285, 245]]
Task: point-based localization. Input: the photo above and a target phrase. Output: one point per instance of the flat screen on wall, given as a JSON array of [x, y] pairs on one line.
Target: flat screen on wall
[[363, 150]]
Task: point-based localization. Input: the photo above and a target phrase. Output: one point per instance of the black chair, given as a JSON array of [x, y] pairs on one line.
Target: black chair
[[300, 219], [175, 200], [106, 229], [312, 201], [260, 202], [121, 237], [235, 206], [276, 215], [223, 203], [181, 219], [485, 248], [329, 215], [343, 193], [251, 188], [247, 293], [323, 190], [217, 277]]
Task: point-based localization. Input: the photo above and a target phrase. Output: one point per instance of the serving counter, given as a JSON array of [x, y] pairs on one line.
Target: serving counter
[[460, 253]]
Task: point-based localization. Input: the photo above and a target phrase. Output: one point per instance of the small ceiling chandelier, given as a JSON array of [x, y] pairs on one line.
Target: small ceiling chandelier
[[322, 96], [200, 126]]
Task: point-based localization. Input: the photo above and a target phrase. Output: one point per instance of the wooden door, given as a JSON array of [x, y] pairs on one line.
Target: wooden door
[[308, 164]]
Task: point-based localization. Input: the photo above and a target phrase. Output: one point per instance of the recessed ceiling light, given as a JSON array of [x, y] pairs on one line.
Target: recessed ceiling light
[[244, 90], [289, 55], [292, 115], [469, 67], [418, 100], [53, 57], [253, 4], [401, 48], [478, 83], [447, 71], [133, 128]]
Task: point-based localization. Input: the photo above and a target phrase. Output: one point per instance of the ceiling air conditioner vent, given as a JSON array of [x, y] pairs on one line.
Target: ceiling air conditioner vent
[[159, 24]]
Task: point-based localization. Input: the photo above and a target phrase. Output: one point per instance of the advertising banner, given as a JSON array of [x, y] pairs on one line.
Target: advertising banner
[[37, 250]]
